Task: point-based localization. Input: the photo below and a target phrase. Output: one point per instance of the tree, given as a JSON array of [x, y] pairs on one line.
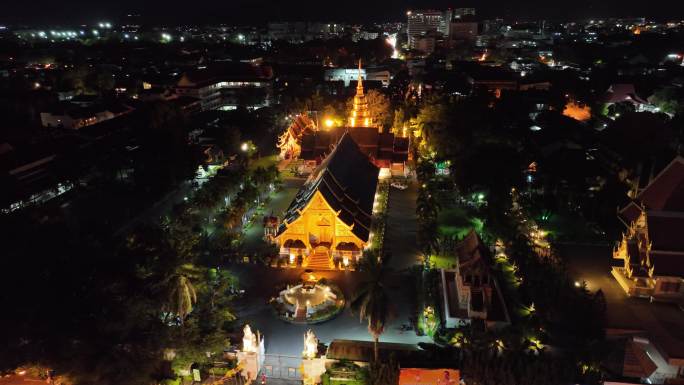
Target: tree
[[399, 121], [89, 316], [669, 100], [181, 296], [371, 300], [383, 373]]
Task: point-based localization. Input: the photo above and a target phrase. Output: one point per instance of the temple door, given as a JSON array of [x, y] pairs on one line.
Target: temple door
[[324, 230]]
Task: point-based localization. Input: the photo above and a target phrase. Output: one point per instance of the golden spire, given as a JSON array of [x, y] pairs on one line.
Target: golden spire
[[359, 83], [360, 115]]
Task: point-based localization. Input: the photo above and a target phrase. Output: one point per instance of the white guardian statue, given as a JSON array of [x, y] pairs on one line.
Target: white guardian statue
[[310, 345]]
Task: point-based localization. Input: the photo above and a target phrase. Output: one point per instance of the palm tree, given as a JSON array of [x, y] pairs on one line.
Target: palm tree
[[179, 291], [181, 295], [371, 300]]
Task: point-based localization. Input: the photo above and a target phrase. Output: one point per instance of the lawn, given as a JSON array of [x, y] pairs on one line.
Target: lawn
[[571, 228], [264, 161], [454, 221], [443, 261]]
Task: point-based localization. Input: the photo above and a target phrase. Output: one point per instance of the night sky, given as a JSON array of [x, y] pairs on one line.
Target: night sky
[[259, 11]]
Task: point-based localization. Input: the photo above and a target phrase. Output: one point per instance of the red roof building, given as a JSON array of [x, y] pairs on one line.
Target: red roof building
[[652, 247]]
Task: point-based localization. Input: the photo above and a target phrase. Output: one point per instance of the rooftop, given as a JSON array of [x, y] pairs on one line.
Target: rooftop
[[347, 180]]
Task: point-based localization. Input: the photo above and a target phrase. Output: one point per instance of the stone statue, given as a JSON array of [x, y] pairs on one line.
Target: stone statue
[[249, 342], [310, 345]]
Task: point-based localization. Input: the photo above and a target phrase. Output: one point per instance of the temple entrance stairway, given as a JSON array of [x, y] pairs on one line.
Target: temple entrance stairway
[[319, 260]]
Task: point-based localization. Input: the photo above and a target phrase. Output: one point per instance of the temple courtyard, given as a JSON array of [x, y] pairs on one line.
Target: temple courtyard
[[262, 283], [285, 338]]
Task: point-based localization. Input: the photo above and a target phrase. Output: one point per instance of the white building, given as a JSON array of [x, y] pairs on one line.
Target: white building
[[227, 88], [349, 75]]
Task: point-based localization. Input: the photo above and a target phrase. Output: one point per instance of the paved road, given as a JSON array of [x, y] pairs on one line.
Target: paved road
[[402, 226]]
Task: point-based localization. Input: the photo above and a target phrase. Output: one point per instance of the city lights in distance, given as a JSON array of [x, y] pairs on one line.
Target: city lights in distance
[[392, 41]]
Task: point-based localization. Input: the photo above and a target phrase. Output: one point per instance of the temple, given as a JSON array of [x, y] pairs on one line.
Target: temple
[[386, 150], [652, 247], [470, 291], [289, 143], [328, 223]]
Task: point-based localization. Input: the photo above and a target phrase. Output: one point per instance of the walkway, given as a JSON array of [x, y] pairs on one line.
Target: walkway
[[402, 226], [280, 201]]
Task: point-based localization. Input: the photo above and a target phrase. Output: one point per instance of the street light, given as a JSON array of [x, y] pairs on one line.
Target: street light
[[329, 123]]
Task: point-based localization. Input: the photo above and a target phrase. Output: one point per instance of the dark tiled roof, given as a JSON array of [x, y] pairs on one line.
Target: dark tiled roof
[[636, 362], [622, 92], [296, 244], [381, 146], [666, 231], [666, 191], [347, 180], [668, 264], [362, 351], [227, 71], [630, 213]]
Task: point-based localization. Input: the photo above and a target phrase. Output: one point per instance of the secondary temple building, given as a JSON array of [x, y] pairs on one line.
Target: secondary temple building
[[652, 247], [470, 292], [329, 221]]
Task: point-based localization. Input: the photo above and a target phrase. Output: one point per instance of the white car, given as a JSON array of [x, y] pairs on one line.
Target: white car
[[399, 186]]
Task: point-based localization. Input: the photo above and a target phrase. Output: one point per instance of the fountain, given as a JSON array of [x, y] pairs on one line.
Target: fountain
[[310, 301]]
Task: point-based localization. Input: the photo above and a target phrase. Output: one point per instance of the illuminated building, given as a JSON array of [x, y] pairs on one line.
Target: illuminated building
[[223, 87], [422, 22], [328, 222], [289, 143], [461, 12], [652, 247], [348, 75]]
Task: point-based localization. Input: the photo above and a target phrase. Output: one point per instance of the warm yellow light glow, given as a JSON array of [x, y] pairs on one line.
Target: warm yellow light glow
[[329, 123], [576, 111]]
